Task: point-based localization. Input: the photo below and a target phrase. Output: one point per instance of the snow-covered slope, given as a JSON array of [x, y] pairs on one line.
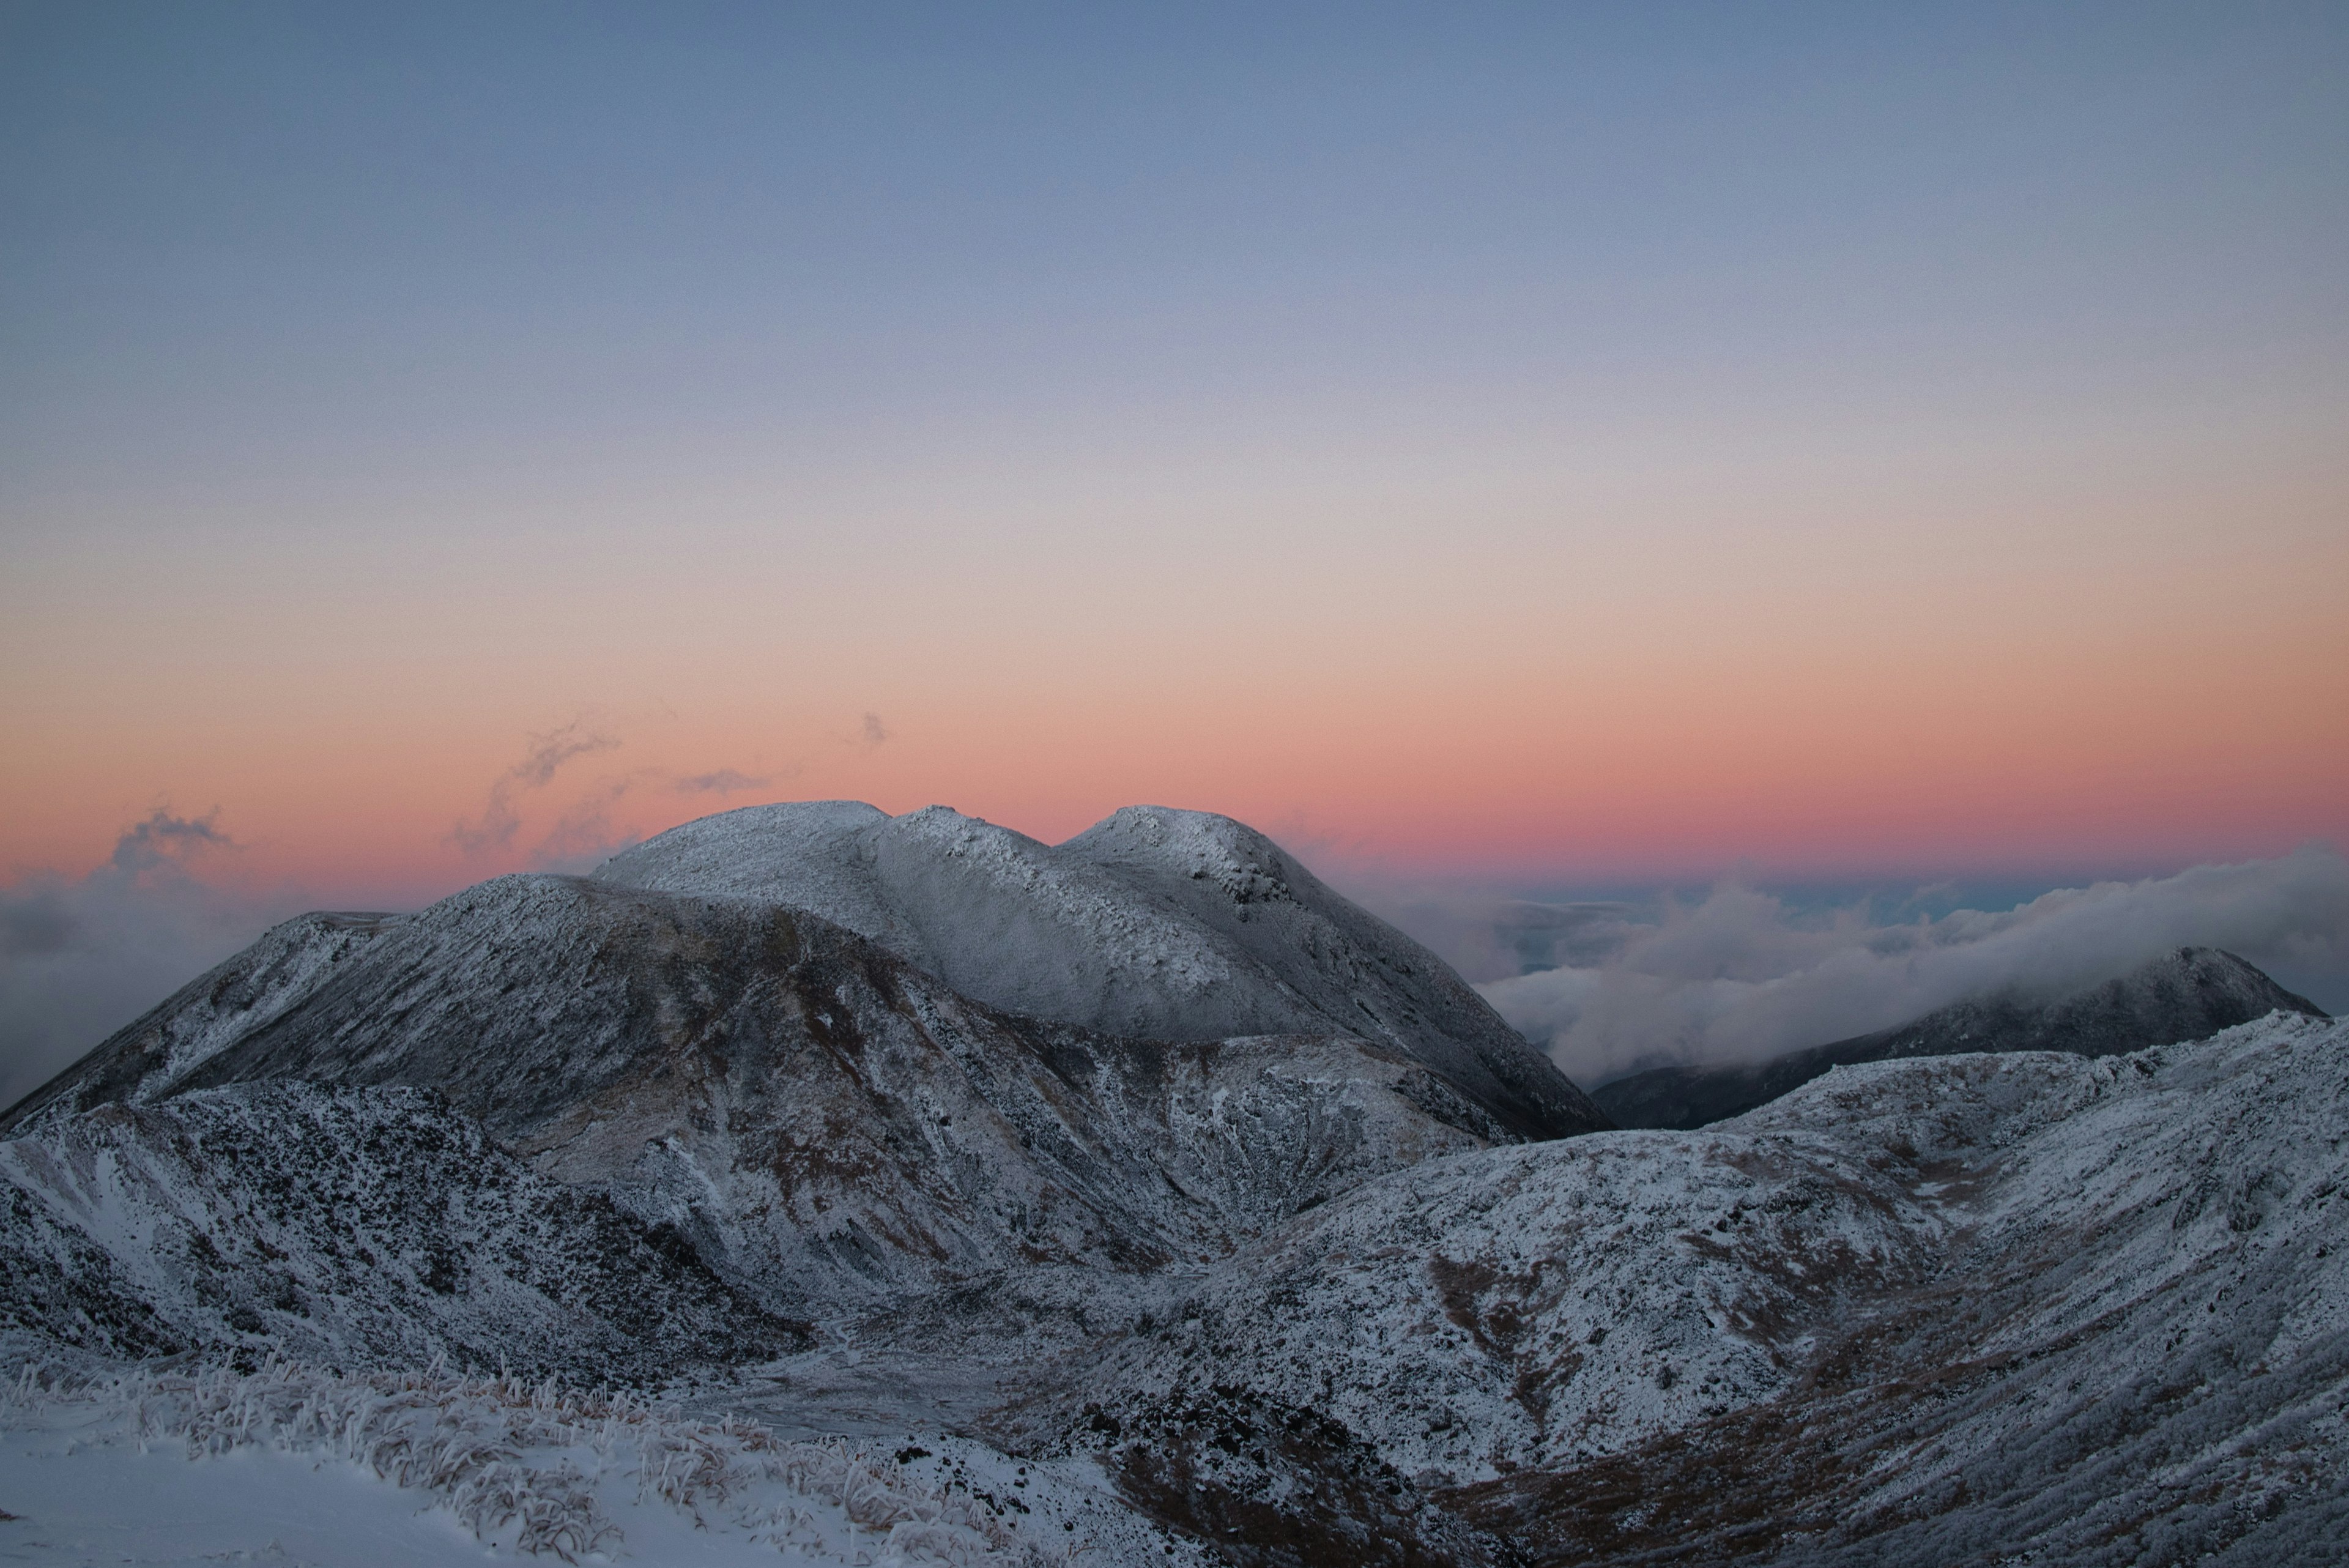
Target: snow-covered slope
[[829, 1128], [367, 1226], [2187, 995], [1948, 1310], [181, 1467], [1155, 923], [216, 1008]]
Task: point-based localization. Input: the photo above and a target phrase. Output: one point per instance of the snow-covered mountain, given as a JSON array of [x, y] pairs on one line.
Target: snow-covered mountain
[[1142, 1189], [367, 1226], [1154, 923], [2189, 993], [831, 1128]]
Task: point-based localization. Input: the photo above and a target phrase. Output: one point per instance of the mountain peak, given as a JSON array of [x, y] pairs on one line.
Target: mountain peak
[[1155, 923]]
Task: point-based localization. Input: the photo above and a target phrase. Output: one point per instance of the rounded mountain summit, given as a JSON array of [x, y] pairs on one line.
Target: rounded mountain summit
[[1154, 923]]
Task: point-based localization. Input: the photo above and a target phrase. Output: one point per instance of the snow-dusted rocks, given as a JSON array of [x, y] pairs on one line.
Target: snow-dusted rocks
[[1947, 1310], [393, 1469], [357, 1226]]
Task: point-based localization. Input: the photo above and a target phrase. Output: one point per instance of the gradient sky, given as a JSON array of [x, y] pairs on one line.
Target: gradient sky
[[1535, 442]]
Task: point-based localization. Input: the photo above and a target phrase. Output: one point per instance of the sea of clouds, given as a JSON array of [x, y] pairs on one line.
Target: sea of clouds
[[1741, 975]]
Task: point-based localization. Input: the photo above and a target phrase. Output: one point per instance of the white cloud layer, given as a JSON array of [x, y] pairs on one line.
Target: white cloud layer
[[1740, 976]]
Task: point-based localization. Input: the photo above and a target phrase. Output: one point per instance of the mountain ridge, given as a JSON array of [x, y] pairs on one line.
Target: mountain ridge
[[1154, 923], [829, 1126]]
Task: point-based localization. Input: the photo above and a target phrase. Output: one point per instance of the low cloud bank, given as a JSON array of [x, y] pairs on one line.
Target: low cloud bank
[[79, 958], [1739, 976]]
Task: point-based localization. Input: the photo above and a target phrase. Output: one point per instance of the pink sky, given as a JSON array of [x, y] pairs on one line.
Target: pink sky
[[1561, 444], [1650, 682]]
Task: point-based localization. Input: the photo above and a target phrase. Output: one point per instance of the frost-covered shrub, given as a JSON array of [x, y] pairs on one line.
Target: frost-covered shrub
[[523, 1461]]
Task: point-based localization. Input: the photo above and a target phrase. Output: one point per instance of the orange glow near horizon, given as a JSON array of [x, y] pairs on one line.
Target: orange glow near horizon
[[1891, 719], [1542, 655]]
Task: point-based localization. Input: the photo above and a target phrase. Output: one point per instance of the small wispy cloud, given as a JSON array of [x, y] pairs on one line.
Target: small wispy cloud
[[723, 781], [583, 835], [42, 914], [163, 839], [874, 730], [500, 817]]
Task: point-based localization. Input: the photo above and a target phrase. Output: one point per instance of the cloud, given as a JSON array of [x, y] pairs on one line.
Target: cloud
[[166, 840], [874, 730], [1494, 937], [79, 958], [551, 750], [501, 819], [725, 781], [1738, 976], [583, 836], [35, 919]]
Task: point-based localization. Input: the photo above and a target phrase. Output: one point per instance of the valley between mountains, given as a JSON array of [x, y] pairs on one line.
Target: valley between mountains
[[811, 1185]]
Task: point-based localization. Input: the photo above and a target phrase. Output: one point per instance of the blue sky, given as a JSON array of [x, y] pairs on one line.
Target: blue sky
[[326, 240]]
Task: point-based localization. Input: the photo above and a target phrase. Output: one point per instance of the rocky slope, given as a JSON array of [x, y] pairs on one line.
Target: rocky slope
[[369, 1227], [829, 1128], [1976, 1308], [2188, 995]]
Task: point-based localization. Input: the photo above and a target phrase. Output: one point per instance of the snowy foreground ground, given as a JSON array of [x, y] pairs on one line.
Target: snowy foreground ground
[[290, 1466]]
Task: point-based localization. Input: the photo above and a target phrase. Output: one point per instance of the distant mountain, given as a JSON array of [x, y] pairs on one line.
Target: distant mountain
[[1153, 924], [2188, 995]]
